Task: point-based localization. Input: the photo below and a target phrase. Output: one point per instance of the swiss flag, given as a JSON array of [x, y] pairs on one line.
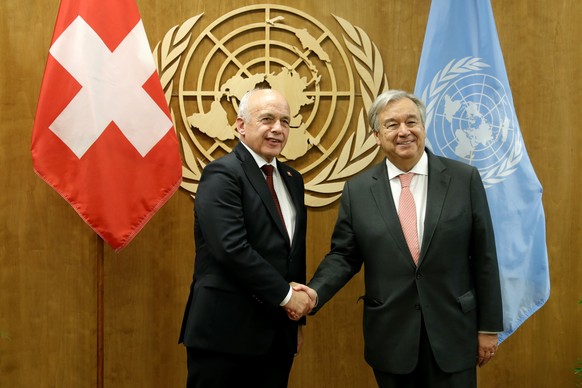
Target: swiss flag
[[103, 137]]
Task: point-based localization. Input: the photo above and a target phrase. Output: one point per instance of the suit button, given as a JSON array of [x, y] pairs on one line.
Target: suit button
[[419, 275], [417, 307]]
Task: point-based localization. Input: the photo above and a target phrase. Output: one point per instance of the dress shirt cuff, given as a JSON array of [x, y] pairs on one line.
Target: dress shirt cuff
[[287, 298]]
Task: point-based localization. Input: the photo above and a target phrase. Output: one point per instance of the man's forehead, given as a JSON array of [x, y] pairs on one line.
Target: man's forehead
[[271, 108], [401, 107], [401, 115]]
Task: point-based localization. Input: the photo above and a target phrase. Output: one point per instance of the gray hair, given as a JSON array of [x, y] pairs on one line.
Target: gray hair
[[390, 96]]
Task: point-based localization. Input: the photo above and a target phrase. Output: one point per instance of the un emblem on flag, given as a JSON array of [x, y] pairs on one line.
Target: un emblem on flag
[[209, 68], [470, 117]]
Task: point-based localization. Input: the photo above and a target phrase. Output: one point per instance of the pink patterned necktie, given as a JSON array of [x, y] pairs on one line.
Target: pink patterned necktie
[[268, 170], [407, 215]]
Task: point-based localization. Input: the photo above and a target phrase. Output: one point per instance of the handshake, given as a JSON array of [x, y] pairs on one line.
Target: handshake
[[303, 300]]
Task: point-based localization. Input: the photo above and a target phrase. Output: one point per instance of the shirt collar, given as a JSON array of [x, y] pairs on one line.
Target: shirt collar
[[420, 168], [258, 158]]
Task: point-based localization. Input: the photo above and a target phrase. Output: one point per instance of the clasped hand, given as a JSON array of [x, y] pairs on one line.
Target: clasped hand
[[302, 301]]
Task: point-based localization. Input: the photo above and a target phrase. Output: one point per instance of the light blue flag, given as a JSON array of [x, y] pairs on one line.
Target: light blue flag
[[471, 118]]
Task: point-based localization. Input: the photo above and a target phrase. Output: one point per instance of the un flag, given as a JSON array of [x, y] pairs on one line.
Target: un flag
[[471, 118]]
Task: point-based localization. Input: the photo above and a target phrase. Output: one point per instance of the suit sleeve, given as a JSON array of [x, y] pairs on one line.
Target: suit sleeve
[[344, 259], [484, 257]]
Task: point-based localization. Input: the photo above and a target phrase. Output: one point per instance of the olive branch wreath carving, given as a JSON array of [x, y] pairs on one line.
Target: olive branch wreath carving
[[368, 63], [167, 56]]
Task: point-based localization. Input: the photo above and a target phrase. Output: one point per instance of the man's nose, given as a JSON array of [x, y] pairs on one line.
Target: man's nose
[[403, 130], [277, 126]]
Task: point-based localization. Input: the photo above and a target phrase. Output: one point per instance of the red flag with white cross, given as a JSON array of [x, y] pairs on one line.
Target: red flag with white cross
[[103, 137]]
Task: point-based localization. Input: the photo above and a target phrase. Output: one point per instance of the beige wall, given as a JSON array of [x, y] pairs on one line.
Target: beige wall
[[50, 260]]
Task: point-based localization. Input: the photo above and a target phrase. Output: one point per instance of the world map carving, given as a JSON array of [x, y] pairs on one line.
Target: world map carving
[[215, 122], [209, 71]]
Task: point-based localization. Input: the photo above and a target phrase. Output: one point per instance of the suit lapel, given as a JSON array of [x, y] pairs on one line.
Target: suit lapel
[[383, 198], [257, 180], [438, 184]]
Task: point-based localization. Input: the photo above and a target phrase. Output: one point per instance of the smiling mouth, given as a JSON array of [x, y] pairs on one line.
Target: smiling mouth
[[406, 143]]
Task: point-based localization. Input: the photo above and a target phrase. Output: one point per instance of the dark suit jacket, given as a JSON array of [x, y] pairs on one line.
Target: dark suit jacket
[[244, 259], [455, 287]]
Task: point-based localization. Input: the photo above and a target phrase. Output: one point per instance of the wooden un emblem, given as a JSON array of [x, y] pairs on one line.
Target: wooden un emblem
[[293, 53]]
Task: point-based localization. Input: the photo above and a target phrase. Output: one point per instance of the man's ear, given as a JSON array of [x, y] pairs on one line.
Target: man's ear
[[377, 137], [240, 126]]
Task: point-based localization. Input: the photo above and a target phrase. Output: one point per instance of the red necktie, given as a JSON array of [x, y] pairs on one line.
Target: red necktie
[[268, 170], [407, 215]]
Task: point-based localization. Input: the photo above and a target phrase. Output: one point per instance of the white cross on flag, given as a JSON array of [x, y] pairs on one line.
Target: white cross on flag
[[103, 137]]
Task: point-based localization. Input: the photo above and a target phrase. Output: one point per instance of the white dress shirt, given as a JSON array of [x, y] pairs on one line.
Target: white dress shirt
[[418, 188]]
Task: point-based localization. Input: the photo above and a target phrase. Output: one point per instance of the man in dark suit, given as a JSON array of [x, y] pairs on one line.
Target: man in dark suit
[[432, 305], [235, 326]]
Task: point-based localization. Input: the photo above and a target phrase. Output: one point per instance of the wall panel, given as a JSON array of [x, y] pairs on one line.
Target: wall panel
[[49, 258]]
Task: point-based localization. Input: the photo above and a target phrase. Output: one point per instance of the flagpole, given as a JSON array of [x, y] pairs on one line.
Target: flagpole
[[100, 312]]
